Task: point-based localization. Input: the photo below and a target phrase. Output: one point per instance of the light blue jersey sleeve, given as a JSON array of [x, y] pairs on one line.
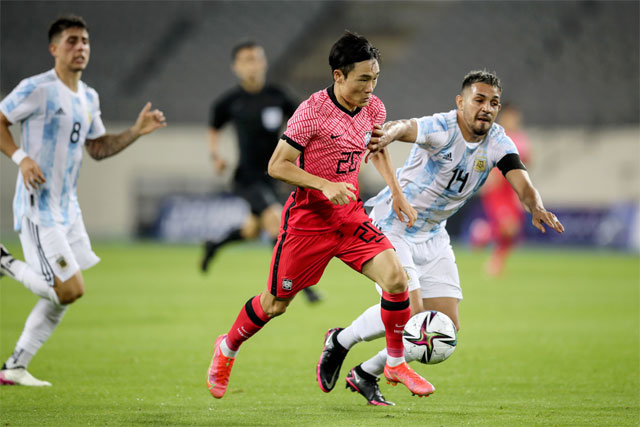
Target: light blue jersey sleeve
[[97, 128], [26, 99], [433, 131]]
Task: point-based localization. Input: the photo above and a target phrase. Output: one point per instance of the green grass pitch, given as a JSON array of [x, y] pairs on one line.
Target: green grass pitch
[[553, 342]]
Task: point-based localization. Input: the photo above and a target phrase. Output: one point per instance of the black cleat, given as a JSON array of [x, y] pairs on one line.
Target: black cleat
[[5, 262], [210, 249], [312, 296], [330, 362], [367, 385]]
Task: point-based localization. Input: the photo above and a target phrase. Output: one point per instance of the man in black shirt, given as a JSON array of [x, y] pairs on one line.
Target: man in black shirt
[[258, 111]]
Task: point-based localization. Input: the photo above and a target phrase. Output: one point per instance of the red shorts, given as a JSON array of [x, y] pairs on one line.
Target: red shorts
[[299, 260]]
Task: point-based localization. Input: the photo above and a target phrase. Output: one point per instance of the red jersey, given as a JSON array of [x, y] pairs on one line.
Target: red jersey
[[332, 141]]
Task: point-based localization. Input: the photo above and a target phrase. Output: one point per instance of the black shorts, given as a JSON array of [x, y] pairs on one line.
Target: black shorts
[[259, 195]]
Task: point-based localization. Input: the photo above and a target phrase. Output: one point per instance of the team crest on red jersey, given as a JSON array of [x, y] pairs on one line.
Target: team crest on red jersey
[[287, 284], [367, 138]]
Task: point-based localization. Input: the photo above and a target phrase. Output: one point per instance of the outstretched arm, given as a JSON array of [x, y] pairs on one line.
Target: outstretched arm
[[531, 200], [108, 145], [382, 161], [282, 166], [31, 173], [398, 130]]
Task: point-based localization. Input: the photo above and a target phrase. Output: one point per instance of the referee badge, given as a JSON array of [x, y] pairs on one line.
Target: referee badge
[[272, 118], [480, 164], [287, 284]]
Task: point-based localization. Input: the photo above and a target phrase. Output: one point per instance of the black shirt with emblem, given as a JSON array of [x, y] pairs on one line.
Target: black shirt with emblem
[[258, 119]]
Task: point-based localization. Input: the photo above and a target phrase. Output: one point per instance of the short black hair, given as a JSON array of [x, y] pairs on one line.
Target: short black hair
[[64, 22], [244, 44], [483, 76], [349, 49]]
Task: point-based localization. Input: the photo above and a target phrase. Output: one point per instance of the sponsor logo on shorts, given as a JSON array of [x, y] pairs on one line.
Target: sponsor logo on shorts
[[287, 284], [62, 262]]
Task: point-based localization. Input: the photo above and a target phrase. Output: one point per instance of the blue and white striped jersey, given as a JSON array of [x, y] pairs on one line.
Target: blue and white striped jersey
[[441, 173], [55, 122]]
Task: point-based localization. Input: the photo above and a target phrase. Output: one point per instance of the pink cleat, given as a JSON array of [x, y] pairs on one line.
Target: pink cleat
[[219, 370], [410, 378]]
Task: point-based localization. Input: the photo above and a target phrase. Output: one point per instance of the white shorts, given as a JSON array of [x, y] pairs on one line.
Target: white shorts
[[57, 251], [431, 266]]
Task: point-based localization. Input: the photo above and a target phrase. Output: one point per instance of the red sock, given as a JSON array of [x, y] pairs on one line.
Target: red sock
[[395, 314], [249, 321]]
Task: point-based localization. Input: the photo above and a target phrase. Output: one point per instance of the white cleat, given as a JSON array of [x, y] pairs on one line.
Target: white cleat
[[5, 262], [20, 376]]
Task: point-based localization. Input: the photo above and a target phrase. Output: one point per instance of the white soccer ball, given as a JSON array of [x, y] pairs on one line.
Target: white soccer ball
[[430, 337]]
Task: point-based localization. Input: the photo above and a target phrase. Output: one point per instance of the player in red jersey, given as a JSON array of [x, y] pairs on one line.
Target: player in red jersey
[[320, 153], [504, 212]]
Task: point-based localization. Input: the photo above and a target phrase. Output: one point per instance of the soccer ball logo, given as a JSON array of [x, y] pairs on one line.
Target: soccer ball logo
[[430, 337]]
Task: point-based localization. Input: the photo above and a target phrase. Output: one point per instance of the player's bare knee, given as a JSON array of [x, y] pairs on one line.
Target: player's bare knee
[[70, 290], [275, 309], [395, 280], [69, 295], [271, 306]]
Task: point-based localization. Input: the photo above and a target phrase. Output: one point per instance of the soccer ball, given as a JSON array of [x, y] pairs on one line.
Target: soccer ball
[[430, 337]]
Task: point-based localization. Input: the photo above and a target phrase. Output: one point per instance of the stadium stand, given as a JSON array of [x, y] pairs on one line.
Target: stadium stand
[[571, 66], [567, 63]]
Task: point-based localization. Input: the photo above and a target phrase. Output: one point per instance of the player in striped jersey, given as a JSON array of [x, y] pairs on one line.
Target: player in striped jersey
[[320, 153], [451, 159], [59, 114]]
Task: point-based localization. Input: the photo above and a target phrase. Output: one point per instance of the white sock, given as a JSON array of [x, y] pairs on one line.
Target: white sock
[[34, 281], [394, 361], [368, 326], [39, 326], [19, 358], [224, 348], [375, 365]]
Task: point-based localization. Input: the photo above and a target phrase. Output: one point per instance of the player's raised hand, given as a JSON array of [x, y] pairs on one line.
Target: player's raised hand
[[339, 193], [31, 173], [148, 120], [403, 208], [543, 216]]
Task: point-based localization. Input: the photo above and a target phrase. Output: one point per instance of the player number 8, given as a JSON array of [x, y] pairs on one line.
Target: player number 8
[[75, 132]]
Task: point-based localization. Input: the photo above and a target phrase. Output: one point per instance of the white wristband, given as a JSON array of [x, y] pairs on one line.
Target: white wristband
[[18, 156]]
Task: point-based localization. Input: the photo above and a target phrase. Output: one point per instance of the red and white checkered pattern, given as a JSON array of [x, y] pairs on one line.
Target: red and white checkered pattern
[[333, 144]]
